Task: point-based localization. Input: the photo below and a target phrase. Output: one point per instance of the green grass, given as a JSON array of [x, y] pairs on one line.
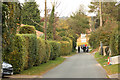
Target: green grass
[[39, 70], [110, 69]]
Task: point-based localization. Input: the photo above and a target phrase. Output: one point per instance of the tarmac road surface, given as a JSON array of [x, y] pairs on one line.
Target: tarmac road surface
[[82, 65]]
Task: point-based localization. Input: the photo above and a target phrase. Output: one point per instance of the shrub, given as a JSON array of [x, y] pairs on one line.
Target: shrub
[[19, 57], [55, 48], [41, 51], [65, 48], [27, 29], [31, 48], [48, 51], [100, 34], [114, 41], [70, 42]]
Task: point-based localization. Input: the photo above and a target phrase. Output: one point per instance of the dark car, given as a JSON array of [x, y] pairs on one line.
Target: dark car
[[7, 69]]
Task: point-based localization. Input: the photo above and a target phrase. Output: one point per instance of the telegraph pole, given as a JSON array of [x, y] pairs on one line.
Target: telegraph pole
[[45, 29], [100, 5]]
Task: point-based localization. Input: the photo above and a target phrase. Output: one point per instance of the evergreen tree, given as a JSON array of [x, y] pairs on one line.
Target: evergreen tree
[[51, 24], [79, 22], [31, 14]]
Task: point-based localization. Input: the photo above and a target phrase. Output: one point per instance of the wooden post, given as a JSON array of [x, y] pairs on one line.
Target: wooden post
[[45, 29], [100, 6]]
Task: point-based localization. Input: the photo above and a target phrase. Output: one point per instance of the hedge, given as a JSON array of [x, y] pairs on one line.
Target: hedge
[[40, 51], [65, 48], [48, 51], [27, 29], [31, 48], [28, 50], [19, 57], [70, 42], [55, 50], [114, 42]]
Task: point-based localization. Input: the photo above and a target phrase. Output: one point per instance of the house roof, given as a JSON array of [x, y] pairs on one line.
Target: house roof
[[39, 33]]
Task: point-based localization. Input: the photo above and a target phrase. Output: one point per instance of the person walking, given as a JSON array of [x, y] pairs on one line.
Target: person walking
[[87, 49], [84, 48], [78, 49]]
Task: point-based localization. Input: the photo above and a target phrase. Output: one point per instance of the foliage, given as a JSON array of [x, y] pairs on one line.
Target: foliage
[[11, 20], [55, 50], [51, 24], [78, 22], [27, 29], [31, 48], [31, 15], [19, 56], [99, 35], [65, 48], [41, 51], [69, 40], [48, 51], [114, 42]]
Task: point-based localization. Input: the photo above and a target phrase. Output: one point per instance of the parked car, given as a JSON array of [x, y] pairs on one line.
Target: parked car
[[7, 69]]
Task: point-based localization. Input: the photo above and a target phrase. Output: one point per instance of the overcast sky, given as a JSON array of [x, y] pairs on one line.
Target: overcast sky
[[65, 8]]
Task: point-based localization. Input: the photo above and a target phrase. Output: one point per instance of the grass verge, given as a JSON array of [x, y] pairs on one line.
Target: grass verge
[[43, 68], [110, 69]]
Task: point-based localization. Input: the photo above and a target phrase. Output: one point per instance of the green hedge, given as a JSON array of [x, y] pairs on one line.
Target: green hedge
[[27, 29], [23, 55], [41, 51], [55, 50], [19, 57], [48, 51], [114, 41], [70, 42], [31, 48], [65, 48]]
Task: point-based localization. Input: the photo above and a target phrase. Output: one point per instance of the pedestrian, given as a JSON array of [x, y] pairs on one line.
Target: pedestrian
[[87, 49], [84, 48], [78, 49]]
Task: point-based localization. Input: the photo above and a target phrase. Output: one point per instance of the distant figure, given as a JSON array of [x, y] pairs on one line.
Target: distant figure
[[78, 49], [81, 46], [87, 49], [84, 48]]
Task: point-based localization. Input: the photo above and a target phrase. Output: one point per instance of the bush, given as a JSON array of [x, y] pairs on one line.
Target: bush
[[100, 34], [70, 42], [19, 57], [55, 49], [114, 42], [31, 48], [48, 51], [41, 51], [65, 48], [27, 29]]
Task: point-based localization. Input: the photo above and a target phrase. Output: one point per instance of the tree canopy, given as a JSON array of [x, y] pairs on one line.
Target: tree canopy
[[31, 15]]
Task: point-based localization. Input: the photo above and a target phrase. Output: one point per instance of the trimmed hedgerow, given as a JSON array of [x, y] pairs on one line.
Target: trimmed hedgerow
[[19, 57], [41, 51], [48, 51], [70, 42], [27, 29], [59, 46], [55, 48], [65, 48], [31, 48]]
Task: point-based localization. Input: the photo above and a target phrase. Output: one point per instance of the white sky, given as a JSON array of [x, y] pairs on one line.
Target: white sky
[[65, 8]]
